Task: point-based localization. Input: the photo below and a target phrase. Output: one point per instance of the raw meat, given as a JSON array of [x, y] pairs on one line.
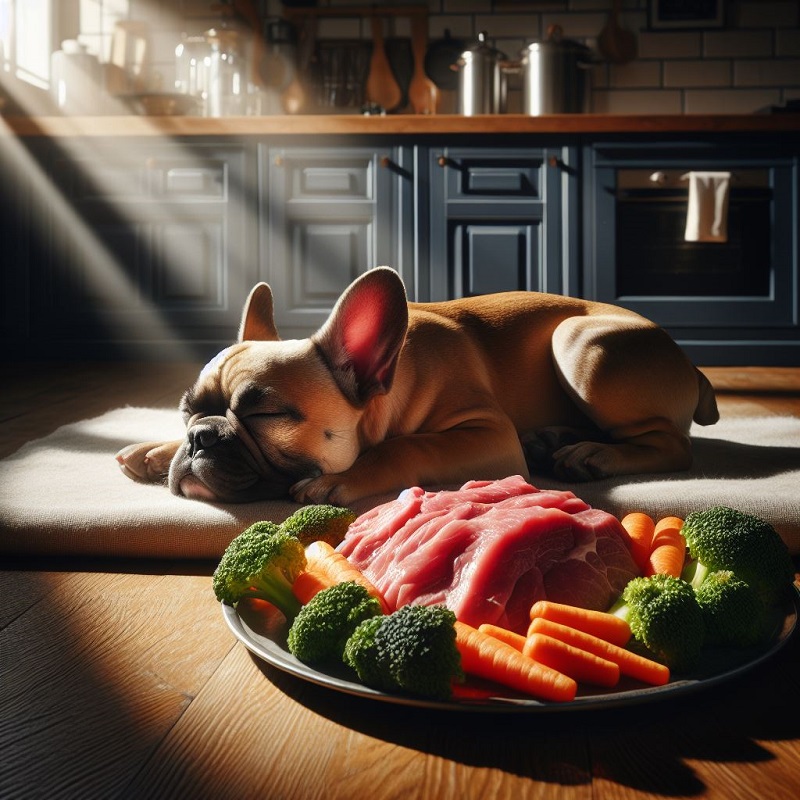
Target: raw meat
[[491, 549]]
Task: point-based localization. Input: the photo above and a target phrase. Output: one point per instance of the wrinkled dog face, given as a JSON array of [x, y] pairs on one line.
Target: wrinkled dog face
[[262, 416]]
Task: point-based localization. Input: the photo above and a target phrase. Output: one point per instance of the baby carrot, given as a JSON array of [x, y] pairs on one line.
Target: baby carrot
[[516, 640], [583, 666], [668, 551], [486, 657], [631, 664], [325, 567], [640, 528], [598, 623]]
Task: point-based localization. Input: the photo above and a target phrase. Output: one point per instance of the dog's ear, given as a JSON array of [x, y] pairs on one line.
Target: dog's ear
[[258, 324], [361, 339]]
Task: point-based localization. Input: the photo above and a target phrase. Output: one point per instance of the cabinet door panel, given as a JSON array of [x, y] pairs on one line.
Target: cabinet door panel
[[332, 214], [325, 259], [189, 265], [494, 258], [498, 220]]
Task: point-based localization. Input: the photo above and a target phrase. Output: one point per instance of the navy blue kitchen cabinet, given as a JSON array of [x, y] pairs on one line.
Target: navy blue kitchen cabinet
[[501, 219], [729, 302], [329, 214], [148, 249]]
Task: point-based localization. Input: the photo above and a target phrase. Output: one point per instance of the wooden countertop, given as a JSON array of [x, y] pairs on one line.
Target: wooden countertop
[[399, 125], [129, 684]]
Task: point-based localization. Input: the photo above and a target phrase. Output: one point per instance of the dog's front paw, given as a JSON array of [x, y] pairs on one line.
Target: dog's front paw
[[325, 489], [148, 461], [585, 461]]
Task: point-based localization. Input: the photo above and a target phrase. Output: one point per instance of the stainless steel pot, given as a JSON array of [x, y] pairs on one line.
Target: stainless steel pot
[[482, 81], [555, 75]]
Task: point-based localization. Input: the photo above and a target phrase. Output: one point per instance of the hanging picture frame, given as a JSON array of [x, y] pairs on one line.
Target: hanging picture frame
[[686, 14]]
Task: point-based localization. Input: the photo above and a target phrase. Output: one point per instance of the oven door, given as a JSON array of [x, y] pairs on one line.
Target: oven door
[[637, 255]]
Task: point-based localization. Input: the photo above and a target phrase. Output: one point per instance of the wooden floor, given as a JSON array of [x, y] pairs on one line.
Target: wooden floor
[[37, 398], [123, 681]]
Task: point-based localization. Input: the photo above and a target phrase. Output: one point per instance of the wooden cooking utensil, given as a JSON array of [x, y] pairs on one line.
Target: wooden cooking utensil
[[615, 43], [423, 93], [382, 88]]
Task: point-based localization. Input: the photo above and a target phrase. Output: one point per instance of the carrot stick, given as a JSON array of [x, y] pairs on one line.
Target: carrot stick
[[516, 640], [486, 657], [668, 551], [598, 623], [640, 528], [583, 666], [631, 664], [325, 567]]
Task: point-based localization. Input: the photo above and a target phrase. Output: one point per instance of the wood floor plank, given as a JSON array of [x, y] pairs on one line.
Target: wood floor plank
[[254, 732], [95, 674]]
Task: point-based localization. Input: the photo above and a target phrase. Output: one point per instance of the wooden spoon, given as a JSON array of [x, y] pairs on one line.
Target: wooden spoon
[[382, 89], [615, 43], [423, 93]]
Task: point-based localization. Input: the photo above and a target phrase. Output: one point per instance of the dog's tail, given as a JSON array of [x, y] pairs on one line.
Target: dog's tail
[[706, 412]]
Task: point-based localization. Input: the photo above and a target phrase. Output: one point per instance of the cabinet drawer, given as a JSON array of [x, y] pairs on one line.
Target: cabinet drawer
[[326, 177], [476, 175], [179, 181]]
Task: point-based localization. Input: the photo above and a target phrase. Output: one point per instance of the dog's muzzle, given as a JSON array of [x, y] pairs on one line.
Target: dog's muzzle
[[221, 461]]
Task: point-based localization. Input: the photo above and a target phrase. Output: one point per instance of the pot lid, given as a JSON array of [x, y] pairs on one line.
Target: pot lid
[[482, 48]]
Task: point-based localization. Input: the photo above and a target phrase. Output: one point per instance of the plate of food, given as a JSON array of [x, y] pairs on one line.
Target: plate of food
[[482, 559], [263, 630]]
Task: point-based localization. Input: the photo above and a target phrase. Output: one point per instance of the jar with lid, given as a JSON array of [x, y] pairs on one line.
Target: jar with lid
[[227, 73], [192, 63]]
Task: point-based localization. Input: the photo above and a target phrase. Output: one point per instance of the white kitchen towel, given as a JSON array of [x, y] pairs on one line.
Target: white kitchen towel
[[707, 211]]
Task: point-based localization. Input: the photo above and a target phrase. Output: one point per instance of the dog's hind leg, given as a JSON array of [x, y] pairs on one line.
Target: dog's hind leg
[[636, 385]]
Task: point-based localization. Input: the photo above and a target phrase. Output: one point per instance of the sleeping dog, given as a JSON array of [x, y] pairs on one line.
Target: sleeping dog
[[390, 394]]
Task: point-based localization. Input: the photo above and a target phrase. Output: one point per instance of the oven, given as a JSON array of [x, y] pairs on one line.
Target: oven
[[726, 297]]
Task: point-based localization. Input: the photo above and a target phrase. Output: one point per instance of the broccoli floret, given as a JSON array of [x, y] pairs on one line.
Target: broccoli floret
[[411, 650], [723, 538], [323, 626], [733, 613], [322, 522], [665, 617], [362, 654], [261, 562]]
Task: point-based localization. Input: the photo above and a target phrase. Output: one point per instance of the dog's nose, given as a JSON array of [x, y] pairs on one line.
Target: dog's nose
[[202, 437]]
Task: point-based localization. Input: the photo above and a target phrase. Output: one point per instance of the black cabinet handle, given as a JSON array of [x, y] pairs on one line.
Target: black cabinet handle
[[387, 163]]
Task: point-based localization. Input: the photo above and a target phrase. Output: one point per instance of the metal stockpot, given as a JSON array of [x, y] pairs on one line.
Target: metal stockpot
[[482, 81], [555, 75]]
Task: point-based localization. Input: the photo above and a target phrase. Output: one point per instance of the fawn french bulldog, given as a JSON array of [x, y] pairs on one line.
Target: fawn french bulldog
[[390, 394]]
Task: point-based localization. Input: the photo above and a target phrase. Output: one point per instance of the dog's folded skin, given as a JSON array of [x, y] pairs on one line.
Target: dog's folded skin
[[389, 394]]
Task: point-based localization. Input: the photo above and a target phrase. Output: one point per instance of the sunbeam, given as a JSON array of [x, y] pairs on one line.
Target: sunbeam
[[173, 199]]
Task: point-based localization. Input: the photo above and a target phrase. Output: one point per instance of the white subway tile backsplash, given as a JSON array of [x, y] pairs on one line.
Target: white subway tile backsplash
[[657, 44], [575, 26], [729, 101], [697, 73], [499, 26], [459, 26], [467, 6], [636, 102], [737, 44], [777, 72], [636, 74], [751, 63], [787, 42], [768, 14]]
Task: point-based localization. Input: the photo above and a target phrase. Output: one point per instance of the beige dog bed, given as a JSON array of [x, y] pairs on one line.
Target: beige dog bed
[[64, 494]]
